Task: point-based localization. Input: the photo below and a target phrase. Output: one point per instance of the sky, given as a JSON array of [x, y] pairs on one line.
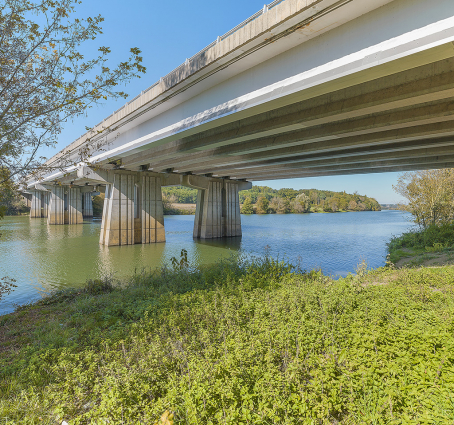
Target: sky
[[168, 32]]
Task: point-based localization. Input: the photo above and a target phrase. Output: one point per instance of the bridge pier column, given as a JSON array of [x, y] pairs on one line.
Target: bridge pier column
[[57, 206], [39, 204], [35, 208], [87, 205], [152, 212], [74, 205], [218, 207], [133, 211], [45, 200], [117, 227]]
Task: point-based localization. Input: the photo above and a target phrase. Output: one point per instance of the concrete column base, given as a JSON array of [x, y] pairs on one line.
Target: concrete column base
[[56, 213], [218, 211]]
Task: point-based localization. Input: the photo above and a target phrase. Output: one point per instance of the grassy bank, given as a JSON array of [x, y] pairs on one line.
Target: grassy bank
[[431, 246], [236, 343]]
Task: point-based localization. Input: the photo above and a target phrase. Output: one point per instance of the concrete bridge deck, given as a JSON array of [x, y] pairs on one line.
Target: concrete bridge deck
[[304, 88]]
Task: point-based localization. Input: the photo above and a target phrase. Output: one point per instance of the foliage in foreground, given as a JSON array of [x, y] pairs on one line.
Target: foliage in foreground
[[45, 80], [236, 343]]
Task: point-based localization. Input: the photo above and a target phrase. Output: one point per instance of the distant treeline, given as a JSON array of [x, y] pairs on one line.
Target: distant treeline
[[263, 200], [180, 194]]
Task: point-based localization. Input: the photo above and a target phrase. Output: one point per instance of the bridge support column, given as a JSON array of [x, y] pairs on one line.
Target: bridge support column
[[133, 211], [218, 211], [87, 205], [35, 208], [152, 212], [218, 207], [74, 205], [45, 200], [117, 227], [39, 204], [57, 203]]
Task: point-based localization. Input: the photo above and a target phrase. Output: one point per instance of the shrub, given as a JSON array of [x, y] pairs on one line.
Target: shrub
[[98, 286]]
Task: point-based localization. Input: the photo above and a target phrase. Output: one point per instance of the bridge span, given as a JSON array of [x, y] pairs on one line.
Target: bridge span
[[303, 88]]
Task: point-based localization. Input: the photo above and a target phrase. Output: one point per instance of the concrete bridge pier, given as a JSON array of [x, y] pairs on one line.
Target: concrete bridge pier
[[74, 205], [35, 209], [56, 205], [152, 214], [218, 206], [87, 205], [65, 206], [133, 211], [117, 226], [39, 203]]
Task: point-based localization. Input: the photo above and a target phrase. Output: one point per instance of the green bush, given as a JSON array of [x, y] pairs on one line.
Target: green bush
[[98, 286], [428, 237]]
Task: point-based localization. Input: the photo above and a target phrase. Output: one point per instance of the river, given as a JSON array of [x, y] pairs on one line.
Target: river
[[44, 258]]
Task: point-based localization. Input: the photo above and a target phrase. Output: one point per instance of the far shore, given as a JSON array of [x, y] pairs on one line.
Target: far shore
[[190, 208]]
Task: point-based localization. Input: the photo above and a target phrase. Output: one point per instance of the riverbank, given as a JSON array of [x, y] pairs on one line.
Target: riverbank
[[189, 209], [236, 342], [433, 246], [45, 258]]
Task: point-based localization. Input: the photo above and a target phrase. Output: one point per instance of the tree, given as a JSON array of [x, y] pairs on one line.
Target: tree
[[352, 205], [280, 205], [429, 194], [247, 207], [300, 204], [45, 79], [166, 204], [286, 193], [262, 205], [343, 204], [334, 204], [11, 202]]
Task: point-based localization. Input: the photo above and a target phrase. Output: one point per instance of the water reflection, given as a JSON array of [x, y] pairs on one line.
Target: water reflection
[[43, 258], [230, 243]]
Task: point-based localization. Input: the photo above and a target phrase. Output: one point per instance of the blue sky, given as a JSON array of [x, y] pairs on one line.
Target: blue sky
[[168, 32]]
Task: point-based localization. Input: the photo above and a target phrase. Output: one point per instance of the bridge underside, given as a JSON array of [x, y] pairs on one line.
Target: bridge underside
[[334, 87], [403, 121]]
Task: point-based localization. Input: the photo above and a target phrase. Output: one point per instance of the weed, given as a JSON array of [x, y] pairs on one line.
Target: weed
[[98, 286]]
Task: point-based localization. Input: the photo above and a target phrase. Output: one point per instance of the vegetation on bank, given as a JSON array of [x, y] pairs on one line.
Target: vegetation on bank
[[11, 202], [429, 195], [431, 245], [264, 200], [239, 342], [167, 203]]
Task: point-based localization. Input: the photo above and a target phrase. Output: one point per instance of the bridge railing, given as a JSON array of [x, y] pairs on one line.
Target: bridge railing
[[265, 8]]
